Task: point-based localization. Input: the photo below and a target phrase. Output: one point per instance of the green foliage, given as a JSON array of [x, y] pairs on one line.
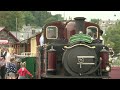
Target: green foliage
[[43, 17], [116, 62], [56, 17], [35, 18], [40, 17], [95, 21], [8, 19], [29, 18], [112, 37], [51, 19], [80, 37]]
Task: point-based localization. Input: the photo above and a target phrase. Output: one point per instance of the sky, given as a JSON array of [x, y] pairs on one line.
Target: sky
[[104, 15]]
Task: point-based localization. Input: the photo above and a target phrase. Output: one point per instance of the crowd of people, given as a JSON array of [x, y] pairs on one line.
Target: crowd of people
[[10, 68]]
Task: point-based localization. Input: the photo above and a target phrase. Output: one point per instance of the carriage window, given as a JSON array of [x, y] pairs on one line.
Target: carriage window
[[52, 32], [92, 31]]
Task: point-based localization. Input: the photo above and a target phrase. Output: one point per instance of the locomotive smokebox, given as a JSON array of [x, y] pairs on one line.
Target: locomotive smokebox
[[79, 21]]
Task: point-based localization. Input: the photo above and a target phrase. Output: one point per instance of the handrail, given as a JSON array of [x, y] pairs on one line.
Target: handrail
[[28, 54]]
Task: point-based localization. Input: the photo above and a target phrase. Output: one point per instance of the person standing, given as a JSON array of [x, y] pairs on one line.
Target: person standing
[[101, 38], [3, 68], [22, 72], [3, 53], [41, 39], [7, 57], [11, 69]]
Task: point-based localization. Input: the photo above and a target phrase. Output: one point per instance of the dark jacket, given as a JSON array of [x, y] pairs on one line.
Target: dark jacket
[[3, 55]]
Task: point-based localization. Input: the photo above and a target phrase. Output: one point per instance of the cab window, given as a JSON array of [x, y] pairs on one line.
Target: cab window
[[51, 32], [92, 31]]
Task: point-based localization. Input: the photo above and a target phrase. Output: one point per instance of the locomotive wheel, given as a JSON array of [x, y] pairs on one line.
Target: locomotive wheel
[[85, 66]]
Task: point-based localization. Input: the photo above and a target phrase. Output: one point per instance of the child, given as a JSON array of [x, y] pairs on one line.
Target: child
[[23, 71], [11, 69]]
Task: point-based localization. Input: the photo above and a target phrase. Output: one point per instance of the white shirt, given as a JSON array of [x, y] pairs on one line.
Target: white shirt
[[4, 52], [101, 38], [8, 56], [0, 52], [41, 40]]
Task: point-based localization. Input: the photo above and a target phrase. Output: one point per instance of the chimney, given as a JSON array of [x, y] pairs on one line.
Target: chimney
[[79, 24]]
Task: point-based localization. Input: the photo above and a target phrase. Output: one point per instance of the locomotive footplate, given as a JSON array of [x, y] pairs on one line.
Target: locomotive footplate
[[81, 77]]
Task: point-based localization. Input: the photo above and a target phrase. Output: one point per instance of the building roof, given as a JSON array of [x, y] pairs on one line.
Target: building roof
[[21, 36], [26, 32], [3, 28]]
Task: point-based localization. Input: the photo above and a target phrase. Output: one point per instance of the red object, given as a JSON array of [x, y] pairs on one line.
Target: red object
[[65, 33], [51, 60], [105, 56], [115, 73], [24, 72], [72, 33], [3, 41]]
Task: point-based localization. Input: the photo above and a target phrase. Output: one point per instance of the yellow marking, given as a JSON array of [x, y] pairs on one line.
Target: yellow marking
[[78, 45]]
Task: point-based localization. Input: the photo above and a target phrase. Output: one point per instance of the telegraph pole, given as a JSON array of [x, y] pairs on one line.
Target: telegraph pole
[[64, 15], [16, 27]]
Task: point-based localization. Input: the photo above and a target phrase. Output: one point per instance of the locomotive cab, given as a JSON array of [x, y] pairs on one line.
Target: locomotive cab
[[51, 32], [72, 49], [92, 31]]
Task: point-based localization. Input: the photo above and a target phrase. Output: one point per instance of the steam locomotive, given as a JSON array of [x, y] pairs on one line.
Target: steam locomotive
[[73, 49]]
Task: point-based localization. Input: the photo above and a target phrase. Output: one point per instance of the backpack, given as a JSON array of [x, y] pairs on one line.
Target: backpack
[[11, 68]]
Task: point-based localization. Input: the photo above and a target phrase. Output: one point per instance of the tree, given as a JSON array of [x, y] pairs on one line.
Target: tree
[[49, 20], [8, 19], [57, 17], [40, 17], [43, 17], [95, 21], [29, 18], [112, 37], [36, 18]]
